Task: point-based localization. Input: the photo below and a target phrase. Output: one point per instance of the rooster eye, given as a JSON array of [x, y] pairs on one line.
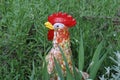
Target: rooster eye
[[58, 25]]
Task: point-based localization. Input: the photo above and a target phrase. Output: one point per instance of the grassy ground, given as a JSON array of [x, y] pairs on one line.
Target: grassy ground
[[23, 36]]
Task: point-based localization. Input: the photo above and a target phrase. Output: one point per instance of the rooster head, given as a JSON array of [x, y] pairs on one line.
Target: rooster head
[[59, 21]]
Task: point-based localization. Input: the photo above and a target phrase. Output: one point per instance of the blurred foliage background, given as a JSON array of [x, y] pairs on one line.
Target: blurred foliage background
[[23, 36]]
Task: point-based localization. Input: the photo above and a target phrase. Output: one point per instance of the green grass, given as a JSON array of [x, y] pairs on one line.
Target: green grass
[[23, 36]]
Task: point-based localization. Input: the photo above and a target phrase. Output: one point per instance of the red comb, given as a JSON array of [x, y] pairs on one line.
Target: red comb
[[64, 18]]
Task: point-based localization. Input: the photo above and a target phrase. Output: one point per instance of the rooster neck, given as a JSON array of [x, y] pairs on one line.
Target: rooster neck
[[61, 38]]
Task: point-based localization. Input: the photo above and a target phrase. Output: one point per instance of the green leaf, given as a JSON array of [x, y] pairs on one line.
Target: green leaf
[[96, 55], [45, 72], [97, 66], [97, 52], [58, 69], [33, 72], [77, 75], [81, 55], [69, 74], [64, 58]]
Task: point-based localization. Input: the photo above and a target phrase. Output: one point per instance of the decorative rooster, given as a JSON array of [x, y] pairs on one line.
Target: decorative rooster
[[59, 23]]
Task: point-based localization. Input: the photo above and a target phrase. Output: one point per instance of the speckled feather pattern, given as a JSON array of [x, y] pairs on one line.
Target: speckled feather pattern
[[61, 39]]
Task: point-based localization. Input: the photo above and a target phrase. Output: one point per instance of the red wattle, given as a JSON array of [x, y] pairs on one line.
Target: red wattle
[[50, 34]]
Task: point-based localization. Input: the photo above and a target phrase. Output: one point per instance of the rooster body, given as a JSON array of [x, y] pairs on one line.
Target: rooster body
[[59, 23], [61, 39]]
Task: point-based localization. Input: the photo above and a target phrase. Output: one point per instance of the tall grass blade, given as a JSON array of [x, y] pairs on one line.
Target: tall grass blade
[[97, 52], [81, 54], [33, 72], [96, 67], [96, 55], [64, 57], [69, 74], [77, 75], [58, 69], [45, 72]]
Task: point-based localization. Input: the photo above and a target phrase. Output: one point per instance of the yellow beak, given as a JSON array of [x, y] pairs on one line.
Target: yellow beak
[[49, 25]]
